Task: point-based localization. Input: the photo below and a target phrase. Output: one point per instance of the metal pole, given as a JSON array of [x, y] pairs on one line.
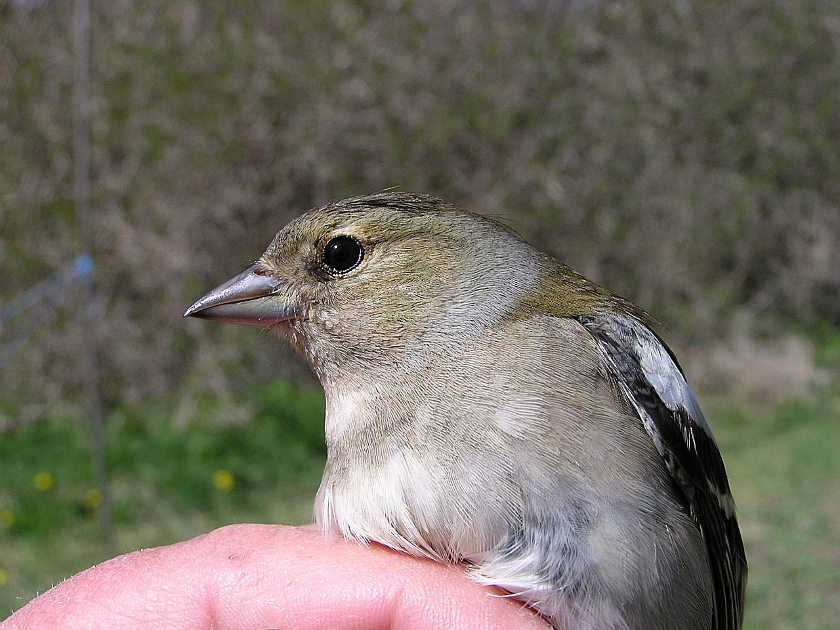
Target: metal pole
[[81, 194]]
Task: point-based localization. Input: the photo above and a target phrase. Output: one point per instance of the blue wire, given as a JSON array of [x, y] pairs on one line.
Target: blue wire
[[81, 268]]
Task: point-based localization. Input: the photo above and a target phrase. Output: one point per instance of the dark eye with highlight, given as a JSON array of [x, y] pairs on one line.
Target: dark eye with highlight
[[342, 253]]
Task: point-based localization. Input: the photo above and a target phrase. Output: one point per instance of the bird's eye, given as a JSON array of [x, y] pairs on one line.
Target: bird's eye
[[342, 254]]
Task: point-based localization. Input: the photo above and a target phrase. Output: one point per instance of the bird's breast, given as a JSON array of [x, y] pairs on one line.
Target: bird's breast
[[406, 473]]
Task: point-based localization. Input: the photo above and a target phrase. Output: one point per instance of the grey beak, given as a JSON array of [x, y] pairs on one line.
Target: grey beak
[[252, 298]]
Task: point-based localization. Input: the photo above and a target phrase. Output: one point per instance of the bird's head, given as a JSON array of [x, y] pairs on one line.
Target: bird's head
[[379, 280]]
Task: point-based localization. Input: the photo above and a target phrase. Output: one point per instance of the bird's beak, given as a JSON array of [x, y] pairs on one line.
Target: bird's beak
[[251, 298]]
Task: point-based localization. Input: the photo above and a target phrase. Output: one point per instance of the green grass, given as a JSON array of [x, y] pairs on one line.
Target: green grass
[[783, 464], [163, 481], [784, 468]]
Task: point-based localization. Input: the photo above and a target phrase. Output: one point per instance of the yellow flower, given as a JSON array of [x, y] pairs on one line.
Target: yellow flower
[[44, 481], [7, 519], [4, 577], [92, 499], [223, 480]]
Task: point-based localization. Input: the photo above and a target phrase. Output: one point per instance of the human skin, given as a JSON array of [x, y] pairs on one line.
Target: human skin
[[260, 577]]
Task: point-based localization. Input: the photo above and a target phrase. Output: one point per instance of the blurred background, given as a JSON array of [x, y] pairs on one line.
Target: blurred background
[[683, 154]]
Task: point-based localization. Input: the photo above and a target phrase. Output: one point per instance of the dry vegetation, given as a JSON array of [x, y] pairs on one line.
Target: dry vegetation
[[685, 155]]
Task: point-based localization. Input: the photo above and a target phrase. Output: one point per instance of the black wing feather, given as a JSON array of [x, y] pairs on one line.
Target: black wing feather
[[650, 377]]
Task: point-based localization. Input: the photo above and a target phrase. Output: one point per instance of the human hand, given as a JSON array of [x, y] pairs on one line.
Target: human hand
[[256, 577]]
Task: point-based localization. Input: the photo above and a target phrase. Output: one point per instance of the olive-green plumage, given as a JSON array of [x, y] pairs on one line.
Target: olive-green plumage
[[486, 404]]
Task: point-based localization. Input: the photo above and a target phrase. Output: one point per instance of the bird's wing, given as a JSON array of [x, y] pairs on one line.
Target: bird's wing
[[652, 381]]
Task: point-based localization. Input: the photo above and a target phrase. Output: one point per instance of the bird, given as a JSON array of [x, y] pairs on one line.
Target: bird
[[488, 405]]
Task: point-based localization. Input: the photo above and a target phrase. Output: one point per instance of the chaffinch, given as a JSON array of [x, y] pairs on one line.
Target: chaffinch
[[488, 405]]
